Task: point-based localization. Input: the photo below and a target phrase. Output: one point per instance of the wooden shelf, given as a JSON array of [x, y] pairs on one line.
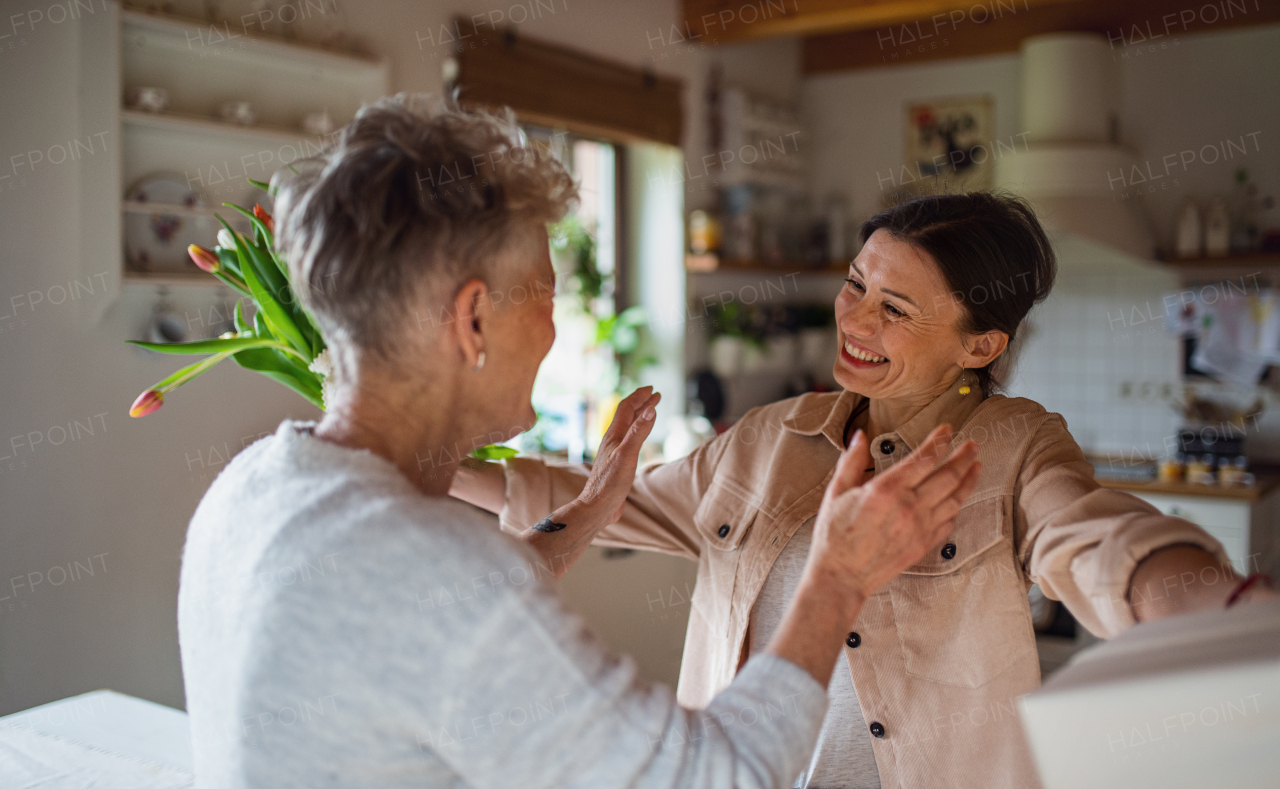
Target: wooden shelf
[[197, 279], [702, 264], [194, 124], [188, 32], [201, 212], [1263, 486], [1230, 261]]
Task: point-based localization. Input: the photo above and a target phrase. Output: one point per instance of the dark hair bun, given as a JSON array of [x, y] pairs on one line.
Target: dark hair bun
[[991, 250]]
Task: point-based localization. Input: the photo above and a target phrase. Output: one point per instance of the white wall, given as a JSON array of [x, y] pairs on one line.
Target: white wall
[[856, 119]]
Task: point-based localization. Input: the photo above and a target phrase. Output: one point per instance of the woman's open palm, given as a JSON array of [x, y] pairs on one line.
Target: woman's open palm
[[615, 466]]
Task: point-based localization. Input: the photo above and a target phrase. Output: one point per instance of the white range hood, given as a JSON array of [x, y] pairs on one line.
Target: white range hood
[[1070, 110]]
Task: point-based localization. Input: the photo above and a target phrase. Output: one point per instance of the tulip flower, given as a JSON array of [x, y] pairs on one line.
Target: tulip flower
[[264, 217], [225, 239], [148, 402], [204, 258]]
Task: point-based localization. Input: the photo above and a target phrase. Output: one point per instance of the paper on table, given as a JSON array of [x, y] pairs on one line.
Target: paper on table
[[30, 759]]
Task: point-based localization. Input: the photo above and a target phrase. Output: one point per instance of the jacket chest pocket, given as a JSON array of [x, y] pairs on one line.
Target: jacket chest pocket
[[723, 519], [961, 612]]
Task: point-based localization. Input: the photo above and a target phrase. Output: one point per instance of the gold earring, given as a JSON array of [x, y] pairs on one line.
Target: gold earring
[[964, 388], [479, 363]]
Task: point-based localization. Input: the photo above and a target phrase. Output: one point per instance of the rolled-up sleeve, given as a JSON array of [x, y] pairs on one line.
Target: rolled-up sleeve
[[657, 516], [1080, 541]]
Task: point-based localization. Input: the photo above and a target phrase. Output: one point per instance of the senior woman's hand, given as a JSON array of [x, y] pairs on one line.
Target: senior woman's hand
[[614, 468], [563, 536], [867, 534]]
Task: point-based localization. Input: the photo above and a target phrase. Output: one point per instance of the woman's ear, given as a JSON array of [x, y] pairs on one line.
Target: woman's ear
[[983, 349], [473, 309]]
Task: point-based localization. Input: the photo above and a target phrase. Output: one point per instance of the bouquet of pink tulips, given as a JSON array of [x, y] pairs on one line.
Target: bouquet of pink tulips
[[282, 342]]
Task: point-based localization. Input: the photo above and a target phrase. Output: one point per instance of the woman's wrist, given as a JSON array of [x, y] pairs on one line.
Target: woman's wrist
[[1257, 586], [837, 592], [1179, 579], [583, 514]]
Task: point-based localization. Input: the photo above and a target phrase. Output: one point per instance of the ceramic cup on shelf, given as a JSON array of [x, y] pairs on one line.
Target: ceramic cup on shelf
[[150, 99], [726, 355], [317, 122], [241, 112]]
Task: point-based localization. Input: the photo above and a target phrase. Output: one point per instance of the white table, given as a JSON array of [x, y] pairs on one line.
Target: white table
[[1186, 702], [104, 739]]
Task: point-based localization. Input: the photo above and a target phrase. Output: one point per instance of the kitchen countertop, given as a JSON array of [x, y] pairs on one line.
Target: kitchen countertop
[[1264, 485]]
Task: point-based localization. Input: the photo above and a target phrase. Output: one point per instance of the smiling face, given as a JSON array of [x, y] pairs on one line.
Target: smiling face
[[899, 327]]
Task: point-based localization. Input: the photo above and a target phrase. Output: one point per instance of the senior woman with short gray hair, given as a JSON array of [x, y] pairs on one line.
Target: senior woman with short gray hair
[[413, 643]]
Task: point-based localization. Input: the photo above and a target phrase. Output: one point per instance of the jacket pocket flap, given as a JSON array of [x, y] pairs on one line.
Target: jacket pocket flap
[[978, 527], [725, 514]]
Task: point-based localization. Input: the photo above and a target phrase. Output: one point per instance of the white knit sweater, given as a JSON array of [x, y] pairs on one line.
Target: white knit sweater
[[338, 628]]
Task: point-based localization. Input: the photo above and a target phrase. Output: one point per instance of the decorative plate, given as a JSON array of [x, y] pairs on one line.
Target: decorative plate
[[158, 240]]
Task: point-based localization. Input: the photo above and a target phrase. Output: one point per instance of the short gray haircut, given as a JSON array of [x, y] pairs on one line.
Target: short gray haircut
[[413, 198]]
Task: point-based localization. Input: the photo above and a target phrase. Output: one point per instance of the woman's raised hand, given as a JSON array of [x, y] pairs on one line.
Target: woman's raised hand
[[615, 466], [866, 534]]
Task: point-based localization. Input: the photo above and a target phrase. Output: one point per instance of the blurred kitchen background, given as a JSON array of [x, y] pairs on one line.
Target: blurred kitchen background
[[727, 153]]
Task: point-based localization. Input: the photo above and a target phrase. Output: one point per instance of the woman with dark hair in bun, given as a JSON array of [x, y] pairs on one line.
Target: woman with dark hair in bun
[[937, 657]]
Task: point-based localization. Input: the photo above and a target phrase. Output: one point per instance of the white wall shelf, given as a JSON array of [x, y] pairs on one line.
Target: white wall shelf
[[201, 65], [185, 33], [150, 279], [139, 207], [196, 125]]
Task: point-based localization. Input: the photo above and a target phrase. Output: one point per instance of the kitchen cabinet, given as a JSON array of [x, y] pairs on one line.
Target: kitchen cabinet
[[1245, 521]]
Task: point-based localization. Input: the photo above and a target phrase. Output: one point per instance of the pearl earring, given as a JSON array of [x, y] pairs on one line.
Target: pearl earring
[[479, 363]]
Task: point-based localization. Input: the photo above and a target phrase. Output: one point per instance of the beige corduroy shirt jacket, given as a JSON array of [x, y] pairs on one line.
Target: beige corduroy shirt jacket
[[945, 649]]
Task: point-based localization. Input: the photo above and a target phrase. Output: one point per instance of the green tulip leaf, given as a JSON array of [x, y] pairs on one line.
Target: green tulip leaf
[[242, 325], [229, 259], [253, 257], [264, 186], [228, 345], [190, 372], [267, 237], [274, 366], [277, 319], [493, 452], [231, 283]]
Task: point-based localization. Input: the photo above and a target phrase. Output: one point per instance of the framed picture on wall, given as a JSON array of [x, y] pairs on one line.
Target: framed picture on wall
[[947, 144]]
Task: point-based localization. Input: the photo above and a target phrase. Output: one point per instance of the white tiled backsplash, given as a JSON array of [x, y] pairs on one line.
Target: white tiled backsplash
[[1096, 351]]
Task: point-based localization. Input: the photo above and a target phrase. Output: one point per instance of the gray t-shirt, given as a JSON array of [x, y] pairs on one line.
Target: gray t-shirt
[[843, 757], [338, 628]]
